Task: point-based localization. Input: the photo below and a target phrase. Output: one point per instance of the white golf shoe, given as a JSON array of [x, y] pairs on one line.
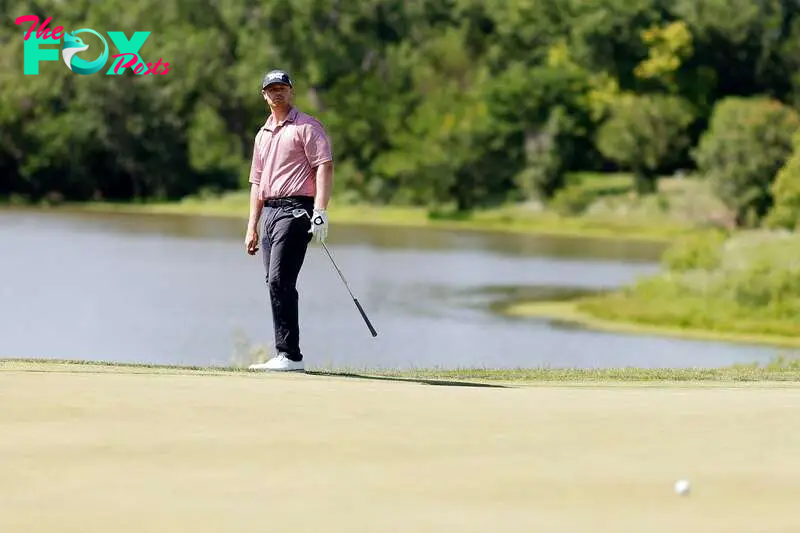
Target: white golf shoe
[[279, 363]]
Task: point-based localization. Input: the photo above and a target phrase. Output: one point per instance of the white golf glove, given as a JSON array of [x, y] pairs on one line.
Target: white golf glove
[[319, 225]]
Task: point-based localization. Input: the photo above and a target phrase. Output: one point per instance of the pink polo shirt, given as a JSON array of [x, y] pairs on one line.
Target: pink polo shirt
[[286, 154]]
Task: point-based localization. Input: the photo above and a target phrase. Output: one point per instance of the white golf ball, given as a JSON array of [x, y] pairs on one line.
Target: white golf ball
[[682, 487]]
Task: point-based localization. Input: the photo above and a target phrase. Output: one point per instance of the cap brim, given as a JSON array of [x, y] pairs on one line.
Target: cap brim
[[276, 83]]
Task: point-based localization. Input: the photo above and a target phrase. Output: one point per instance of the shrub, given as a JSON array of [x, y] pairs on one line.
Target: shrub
[[572, 200], [785, 212], [697, 252], [748, 283], [747, 142]]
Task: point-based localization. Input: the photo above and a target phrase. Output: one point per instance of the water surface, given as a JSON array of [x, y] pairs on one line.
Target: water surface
[[181, 290]]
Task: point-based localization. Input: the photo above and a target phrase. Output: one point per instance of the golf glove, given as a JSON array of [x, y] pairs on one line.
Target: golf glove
[[319, 225]]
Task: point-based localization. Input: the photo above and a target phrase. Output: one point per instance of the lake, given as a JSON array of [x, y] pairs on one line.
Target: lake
[[181, 290]]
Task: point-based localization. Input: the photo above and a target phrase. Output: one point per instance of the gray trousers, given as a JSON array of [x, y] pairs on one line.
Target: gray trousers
[[284, 242]]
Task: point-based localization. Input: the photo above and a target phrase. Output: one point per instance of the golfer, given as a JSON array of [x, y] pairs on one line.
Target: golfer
[[291, 177]]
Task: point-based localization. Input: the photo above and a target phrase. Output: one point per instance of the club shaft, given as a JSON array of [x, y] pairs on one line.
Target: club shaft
[[347, 286]]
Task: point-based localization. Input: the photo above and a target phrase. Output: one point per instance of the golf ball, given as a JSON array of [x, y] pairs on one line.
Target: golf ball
[[682, 487]]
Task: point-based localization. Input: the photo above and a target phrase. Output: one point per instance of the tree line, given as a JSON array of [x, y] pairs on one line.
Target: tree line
[[463, 102]]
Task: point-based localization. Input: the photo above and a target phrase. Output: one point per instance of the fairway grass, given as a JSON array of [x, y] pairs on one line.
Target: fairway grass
[[91, 448], [780, 369]]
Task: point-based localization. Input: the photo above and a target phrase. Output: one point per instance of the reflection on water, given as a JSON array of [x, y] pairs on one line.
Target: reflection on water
[[177, 289], [373, 237]]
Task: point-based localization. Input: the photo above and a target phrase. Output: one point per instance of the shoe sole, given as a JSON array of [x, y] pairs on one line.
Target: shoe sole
[[276, 370]]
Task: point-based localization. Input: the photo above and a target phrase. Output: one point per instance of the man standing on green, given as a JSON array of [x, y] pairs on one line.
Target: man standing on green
[[291, 177]]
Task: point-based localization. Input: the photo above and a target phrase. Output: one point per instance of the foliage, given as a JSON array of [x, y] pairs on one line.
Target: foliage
[[747, 142], [669, 46], [748, 283], [646, 134], [461, 103], [786, 193], [573, 200], [701, 251]]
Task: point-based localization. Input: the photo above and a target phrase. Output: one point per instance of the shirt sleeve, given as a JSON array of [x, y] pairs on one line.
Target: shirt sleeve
[[257, 164], [317, 145]]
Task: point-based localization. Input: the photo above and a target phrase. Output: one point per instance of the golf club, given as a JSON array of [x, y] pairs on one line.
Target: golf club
[[355, 300], [347, 286]]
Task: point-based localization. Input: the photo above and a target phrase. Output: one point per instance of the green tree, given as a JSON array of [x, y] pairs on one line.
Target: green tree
[[748, 141], [443, 150], [646, 134], [523, 30], [669, 47], [606, 35], [543, 115], [467, 102], [739, 48]]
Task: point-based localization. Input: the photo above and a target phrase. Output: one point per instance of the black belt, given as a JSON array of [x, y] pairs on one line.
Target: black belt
[[289, 201]]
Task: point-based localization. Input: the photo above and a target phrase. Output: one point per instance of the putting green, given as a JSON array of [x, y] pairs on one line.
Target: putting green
[[84, 450]]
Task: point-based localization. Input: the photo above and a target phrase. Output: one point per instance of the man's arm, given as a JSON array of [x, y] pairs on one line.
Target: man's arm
[[255, 208], [324, 177], [256, 168]]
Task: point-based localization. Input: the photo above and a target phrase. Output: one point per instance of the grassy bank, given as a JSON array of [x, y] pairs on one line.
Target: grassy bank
[[739, 288], [780, 369], [593, 205], [605, 313]]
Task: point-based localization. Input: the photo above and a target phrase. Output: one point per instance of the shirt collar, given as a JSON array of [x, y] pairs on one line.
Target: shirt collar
[[270, 125]]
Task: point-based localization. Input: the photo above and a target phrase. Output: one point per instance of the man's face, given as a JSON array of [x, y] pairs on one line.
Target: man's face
[[277, 94]]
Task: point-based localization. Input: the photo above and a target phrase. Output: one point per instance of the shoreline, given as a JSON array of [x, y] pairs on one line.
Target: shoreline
[[780, 370], [567, 311], [508, 219]]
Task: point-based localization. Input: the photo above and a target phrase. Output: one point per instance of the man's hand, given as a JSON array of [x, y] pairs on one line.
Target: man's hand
[[319, 225], [251, 241]]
